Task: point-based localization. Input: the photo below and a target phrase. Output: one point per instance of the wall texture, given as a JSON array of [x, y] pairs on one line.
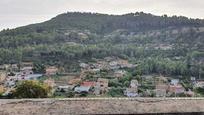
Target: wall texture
[[100, 106]]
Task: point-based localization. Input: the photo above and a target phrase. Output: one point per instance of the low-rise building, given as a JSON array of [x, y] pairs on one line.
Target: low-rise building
[[84, 65], [2, 67], [95, 70], [199, 84], [85, 87], [176, 89], [14, 67], [33, 77], [131, 92], [27, 76], [10, 82], [190, 93], [27, 64], [161, 90], [114, 65], [50, 82], [74, 81], [103, 82], [119, 73], [51, 70], [26, 71], [174, 81], [125, 64], [2, 77], [66, 88], [82, 89], [101, 86], [134, 83], [193, 78], [88, 84], [2, 89]]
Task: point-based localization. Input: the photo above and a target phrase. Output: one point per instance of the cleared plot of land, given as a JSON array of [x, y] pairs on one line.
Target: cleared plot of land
[[99, 106]]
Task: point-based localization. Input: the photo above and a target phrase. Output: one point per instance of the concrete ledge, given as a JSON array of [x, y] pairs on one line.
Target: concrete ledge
[[100, 106]]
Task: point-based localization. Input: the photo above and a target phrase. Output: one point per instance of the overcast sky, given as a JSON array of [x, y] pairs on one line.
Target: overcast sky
[[15, 13]]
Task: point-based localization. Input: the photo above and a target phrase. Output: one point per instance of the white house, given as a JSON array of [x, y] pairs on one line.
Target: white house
[[134, 83], [81, 89], [174, 81], [131, 92]]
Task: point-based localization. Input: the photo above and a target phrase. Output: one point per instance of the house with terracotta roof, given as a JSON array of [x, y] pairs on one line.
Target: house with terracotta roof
[[88, 83], [85, 87], [74, 81], [176, 89]]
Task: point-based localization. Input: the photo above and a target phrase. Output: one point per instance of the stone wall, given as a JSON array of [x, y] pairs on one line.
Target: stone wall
[[100, 106]]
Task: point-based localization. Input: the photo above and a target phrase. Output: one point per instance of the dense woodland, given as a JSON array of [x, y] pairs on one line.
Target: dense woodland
[[158, 44]]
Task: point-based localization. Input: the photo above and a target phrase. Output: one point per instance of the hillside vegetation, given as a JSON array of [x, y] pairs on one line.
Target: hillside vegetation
[[159, 44]]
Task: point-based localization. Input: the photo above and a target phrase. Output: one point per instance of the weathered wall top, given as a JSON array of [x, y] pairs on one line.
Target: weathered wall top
[[100, 106]]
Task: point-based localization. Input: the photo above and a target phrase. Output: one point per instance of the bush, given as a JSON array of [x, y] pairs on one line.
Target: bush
[[126, 84], [64, 94], [114, 83], [116, 92], [83, 94], [70, 94], [1, 95], [31, 89], [39, 68], [200, 90]]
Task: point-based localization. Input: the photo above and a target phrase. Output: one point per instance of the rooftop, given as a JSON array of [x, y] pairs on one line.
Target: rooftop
[[88, 83]]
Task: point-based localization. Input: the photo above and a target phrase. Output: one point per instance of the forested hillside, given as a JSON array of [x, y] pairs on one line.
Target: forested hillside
[[158, 44]]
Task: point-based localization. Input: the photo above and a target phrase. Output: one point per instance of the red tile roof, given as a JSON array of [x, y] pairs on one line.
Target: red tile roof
[[88, 83]]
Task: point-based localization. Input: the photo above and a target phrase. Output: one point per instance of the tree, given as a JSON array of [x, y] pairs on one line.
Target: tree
[[200, 91], [31, 89], [126, 84], [70, 94], [39, 68], [114, 83], [116, 92]]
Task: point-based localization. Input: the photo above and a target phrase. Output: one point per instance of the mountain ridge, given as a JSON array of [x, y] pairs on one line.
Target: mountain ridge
[[60, 21]]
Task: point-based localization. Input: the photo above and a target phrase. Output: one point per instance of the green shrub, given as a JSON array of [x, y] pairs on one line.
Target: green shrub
[[116, 92], [31, 89]]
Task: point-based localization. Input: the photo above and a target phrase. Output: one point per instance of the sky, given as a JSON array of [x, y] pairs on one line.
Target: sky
[[15, 13]]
